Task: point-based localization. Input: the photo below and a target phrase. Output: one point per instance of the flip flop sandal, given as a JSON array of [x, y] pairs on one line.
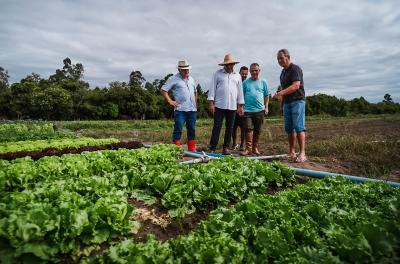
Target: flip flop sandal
[[301, 159], [291, 156]]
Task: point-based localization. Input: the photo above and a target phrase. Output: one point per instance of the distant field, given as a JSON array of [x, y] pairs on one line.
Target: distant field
[[358, 145]]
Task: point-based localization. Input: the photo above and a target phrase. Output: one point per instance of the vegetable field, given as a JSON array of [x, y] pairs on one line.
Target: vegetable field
[[110, 206]]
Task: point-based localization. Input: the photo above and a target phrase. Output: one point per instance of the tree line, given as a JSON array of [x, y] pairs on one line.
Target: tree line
[[65, 96]]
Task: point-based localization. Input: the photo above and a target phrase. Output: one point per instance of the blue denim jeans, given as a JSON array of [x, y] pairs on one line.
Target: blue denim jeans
[[294, 115], [219, 115], [182, 117]]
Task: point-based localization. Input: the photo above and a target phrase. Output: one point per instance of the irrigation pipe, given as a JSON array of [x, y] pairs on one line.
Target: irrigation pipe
[[269, 157], [298, 171], [324, 174], [202, 157]]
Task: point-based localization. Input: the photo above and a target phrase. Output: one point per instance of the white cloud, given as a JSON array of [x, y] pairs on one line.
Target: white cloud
[[348, 49]]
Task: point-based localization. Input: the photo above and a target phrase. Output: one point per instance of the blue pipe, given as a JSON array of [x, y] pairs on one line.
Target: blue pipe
[[324, 174], [201, 154], [309, 173]]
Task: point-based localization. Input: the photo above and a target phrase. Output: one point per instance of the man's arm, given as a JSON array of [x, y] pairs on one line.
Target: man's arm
[[266, 103], [168, 99], [211, 95], [240, 98], [291, 89]]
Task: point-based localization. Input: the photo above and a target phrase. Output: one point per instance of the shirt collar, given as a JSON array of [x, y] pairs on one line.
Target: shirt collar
[[180, 77], [290, 66], [224, 71]]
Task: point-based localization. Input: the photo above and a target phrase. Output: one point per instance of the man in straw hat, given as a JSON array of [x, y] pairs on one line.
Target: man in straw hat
[[225, 97], [183, 88]]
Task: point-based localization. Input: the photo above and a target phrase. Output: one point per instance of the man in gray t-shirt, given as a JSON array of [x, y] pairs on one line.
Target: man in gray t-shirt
[[292, 97]]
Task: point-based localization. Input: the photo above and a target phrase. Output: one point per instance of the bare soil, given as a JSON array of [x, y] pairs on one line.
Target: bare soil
[[156, 221], [344, 160]]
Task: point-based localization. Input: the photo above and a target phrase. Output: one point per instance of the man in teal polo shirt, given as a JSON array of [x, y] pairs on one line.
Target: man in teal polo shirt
[[256, 99]]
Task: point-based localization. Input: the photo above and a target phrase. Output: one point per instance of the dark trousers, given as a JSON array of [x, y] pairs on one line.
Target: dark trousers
[[182, 117], [219, 115], [238, 124]]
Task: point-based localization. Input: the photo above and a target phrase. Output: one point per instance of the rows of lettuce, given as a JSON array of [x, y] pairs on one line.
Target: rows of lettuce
[[21, 131], [37, 136], [38, 145], [53, 206], [325, 221]]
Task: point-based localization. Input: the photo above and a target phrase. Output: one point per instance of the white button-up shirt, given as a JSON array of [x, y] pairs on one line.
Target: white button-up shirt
[[183, 91], [226, 90]]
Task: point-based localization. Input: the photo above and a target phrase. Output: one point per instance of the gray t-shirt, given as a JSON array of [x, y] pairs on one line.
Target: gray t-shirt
[[288, 76]]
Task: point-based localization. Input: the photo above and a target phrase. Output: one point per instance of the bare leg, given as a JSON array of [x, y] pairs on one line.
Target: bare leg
[[301, 138], [292, 142]]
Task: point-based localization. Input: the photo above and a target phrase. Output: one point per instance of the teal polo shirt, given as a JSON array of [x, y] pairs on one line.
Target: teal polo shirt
[[254, 93]]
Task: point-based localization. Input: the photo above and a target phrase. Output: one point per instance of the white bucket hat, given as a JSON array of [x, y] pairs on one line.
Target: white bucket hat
[[183, 65], [228, 59]]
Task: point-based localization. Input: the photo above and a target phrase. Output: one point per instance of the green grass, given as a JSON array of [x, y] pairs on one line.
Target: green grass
[[373, 158]]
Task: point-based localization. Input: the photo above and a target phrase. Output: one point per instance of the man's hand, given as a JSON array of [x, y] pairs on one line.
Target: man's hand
[[266, 111], [277, 96], [211, 107], [174, 103], [240, 110]]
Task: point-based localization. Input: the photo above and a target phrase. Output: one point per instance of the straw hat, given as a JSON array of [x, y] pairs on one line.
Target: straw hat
[[228, 59], [183, 65]]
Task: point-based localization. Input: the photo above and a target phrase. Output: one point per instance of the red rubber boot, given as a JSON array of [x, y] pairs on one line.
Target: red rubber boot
[[177, 142], [191, 145]]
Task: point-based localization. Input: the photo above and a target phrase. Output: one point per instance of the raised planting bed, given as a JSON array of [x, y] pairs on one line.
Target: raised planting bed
[[57, 207], [92, 145], [11, 132], [322, 221]]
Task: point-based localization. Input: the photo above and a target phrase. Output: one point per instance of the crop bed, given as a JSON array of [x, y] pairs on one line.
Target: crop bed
[[55, 205], [141, 206], [52, 151], [13, 132], [326, 221]]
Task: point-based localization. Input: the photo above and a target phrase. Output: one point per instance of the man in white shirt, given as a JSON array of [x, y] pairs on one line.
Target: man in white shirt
[[225, 98], [183, 88]]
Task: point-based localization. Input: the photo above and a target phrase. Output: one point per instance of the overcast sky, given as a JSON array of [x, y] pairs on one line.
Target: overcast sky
[[345, 48]]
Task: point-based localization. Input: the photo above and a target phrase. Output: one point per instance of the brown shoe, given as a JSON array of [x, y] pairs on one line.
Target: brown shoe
[[226, 151]]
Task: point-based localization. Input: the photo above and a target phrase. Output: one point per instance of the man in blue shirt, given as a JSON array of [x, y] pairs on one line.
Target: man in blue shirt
[[256, 99], [183, 88]]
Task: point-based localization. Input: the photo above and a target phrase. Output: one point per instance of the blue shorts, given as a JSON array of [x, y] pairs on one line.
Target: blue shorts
[[294, 114]]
